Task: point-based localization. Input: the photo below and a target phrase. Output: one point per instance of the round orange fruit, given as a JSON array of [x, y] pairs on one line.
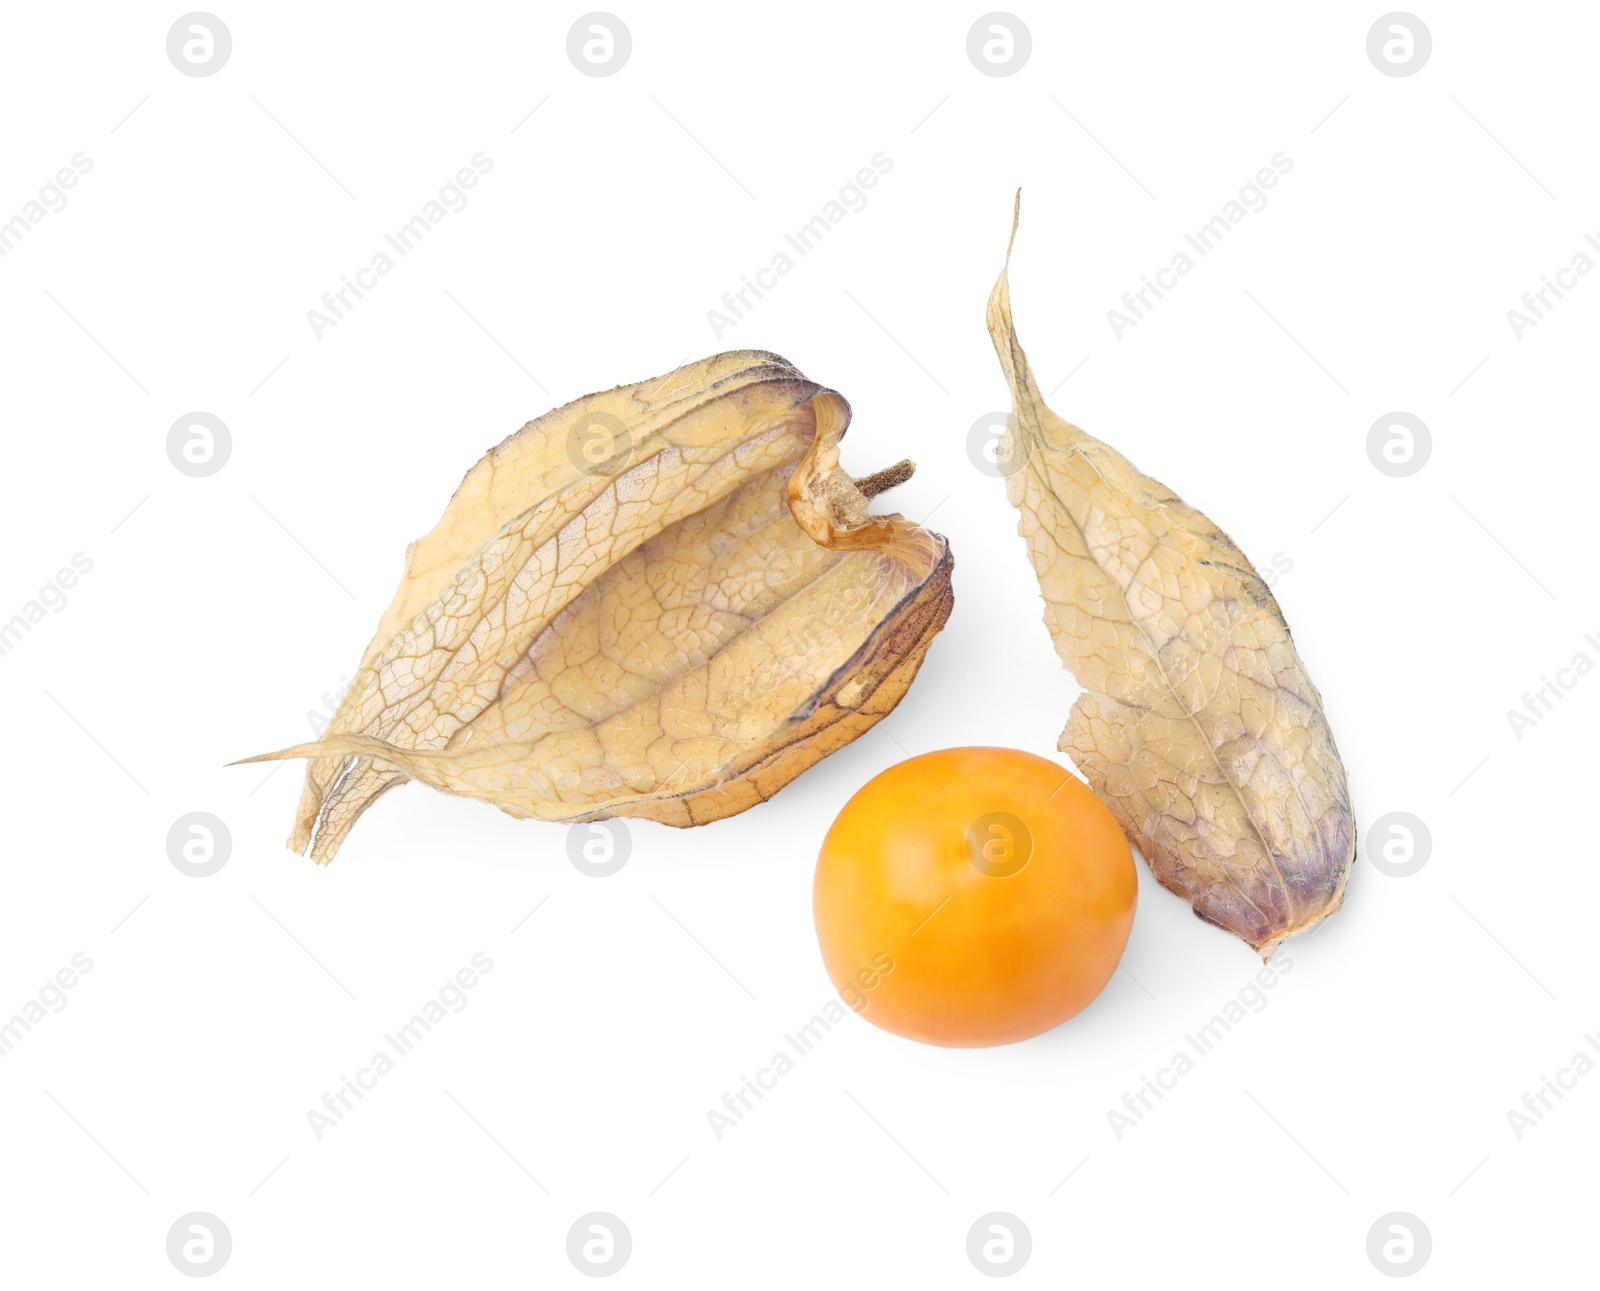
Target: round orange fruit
[[974, 896]]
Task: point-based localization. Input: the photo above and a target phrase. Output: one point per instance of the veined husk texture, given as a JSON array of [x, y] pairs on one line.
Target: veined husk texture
[[666, 600], [1197, 725]]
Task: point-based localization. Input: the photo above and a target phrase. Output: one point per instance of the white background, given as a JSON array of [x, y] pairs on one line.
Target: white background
[[220, 611]]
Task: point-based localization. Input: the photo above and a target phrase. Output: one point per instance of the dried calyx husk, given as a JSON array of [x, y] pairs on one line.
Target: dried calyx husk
[[1197, 725], [666, 600]]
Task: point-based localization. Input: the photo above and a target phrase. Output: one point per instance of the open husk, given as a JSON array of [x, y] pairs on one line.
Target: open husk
[[665, 601]]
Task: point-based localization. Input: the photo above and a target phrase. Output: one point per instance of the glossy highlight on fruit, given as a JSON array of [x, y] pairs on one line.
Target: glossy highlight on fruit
[[974, 896]]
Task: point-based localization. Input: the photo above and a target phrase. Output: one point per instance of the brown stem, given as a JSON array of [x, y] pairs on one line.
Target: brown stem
[[884, 480]]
